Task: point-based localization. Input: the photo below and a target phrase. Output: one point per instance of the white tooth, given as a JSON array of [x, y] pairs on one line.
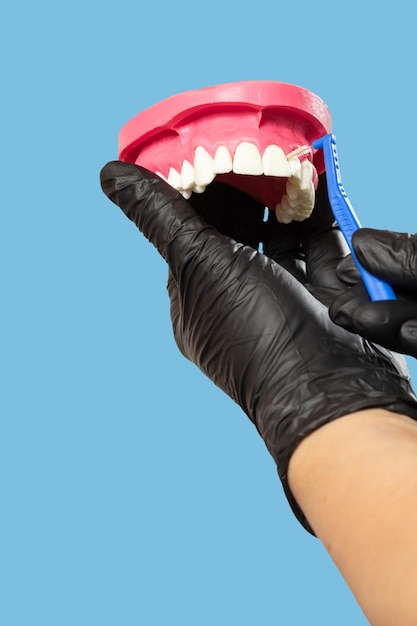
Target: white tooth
[[294, 202], [295, 167], [223, 163], [187, 175], [312, 192], [199, 188], [247, 159], [307, 199], [292, 190], [305, 207], [289, 209], [297, 204], [306, 174], [274, 162], [308, 192], [278, 212], [281, 216], [186, 193], [300, 217], [174, 178], [203, 167]]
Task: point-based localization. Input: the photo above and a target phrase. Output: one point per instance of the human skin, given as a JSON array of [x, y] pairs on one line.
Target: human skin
[[356, 481]]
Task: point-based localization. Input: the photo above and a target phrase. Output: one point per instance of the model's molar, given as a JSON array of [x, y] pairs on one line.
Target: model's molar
[[298, 201]]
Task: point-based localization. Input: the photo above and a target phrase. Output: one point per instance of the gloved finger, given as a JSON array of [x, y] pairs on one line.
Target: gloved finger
[[193, 249], [389, 255], [380, 322], [342, 309], [323, 242], [408, 334], [158, 210], [347, 271]]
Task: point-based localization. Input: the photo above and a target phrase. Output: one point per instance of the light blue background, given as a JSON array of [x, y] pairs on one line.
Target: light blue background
[[133, 492]]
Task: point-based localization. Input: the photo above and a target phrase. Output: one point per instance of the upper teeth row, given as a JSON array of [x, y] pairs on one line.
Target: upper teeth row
[[296, 204]]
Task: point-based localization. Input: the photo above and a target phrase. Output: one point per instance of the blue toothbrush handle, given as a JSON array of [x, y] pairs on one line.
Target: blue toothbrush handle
[[346, 216]]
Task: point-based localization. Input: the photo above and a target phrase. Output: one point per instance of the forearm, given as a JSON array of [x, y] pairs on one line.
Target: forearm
[[356, 481]]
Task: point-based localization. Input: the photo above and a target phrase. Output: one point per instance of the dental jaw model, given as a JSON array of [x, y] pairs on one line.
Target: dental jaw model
[[253, 135]]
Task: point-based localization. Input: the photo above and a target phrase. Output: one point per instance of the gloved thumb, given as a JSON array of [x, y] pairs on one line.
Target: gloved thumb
[[408, 335], [158, 210], [389, 255]]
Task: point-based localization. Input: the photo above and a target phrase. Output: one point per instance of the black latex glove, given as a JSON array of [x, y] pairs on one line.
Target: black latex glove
[[392, 323], [253, 327]]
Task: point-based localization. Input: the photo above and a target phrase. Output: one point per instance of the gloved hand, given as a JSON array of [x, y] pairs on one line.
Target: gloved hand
[[253, 326], [392, 323]]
